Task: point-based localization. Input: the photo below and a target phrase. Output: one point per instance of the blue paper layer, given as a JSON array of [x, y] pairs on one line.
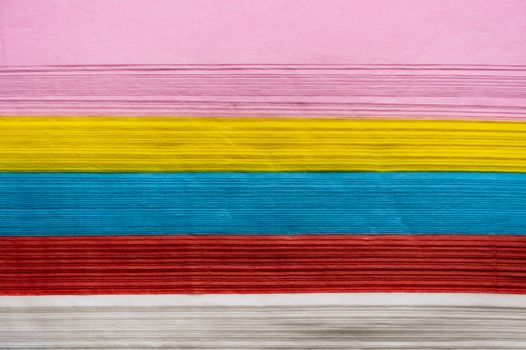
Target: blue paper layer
[[47, 204]]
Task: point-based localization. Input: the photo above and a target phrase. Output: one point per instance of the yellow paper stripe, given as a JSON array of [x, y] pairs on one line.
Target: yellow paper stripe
[[258, 144]]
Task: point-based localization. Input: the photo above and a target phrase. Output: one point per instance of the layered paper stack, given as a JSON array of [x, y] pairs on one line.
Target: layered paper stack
[[265, 174]]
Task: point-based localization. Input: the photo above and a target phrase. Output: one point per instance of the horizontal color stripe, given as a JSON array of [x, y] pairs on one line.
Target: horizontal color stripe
[[486, 92], [454, 322], [290, 299], [262, 203], [261, 264], [230, 144]]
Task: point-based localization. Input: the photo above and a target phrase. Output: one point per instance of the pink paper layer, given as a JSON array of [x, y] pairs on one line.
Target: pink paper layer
[[483, 92], [71, 32]]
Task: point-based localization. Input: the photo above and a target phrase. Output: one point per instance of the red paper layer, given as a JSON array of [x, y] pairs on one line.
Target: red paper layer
[[262, 264]]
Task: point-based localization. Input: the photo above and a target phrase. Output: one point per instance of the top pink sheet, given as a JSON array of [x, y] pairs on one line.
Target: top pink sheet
[[72, 32]]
